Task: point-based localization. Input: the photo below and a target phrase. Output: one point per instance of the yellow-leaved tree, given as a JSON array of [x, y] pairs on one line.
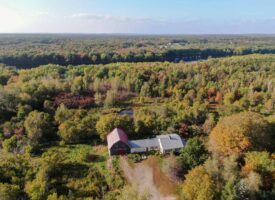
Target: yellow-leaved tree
[[198, 185], [239, 133]]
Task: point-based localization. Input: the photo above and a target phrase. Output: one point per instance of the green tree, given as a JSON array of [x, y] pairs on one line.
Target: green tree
[[194, 153], [9, 144], [260, 162], [145, 90], [228, 98], [38, 126], [107, 123], [54, 196], [98, 99], [229, 191], [9, 192], [37, 189], [23, 111], [79, 127], [146, 122], [62, 114], [77, 85], [16, 145], [111, 99]]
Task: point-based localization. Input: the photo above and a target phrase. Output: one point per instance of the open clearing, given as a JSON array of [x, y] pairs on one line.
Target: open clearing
[[141, 176]]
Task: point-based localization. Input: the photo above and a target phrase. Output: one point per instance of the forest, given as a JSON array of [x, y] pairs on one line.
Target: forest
[[60, 96], [33, 50]]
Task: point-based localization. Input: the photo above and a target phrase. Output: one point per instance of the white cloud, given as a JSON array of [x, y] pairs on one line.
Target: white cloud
[[88, 16]]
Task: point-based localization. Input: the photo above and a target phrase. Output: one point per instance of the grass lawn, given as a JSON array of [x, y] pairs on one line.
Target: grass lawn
[[82, 153]]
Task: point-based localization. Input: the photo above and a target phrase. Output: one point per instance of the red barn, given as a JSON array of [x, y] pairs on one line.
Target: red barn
[[118, 142]]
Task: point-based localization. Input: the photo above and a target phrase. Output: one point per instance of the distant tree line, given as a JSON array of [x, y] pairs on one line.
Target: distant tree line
[[174, 55], [27, 51]]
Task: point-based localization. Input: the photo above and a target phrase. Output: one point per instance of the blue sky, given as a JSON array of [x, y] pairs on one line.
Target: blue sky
[[138, 16]]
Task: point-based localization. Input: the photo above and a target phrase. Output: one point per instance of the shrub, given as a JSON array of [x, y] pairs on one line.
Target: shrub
[[134, 158]]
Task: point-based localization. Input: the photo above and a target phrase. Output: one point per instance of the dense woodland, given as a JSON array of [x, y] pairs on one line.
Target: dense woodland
[[27, 51], [54, 119]]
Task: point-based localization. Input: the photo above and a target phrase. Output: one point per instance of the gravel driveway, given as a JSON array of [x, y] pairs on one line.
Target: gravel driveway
[[141, 177]]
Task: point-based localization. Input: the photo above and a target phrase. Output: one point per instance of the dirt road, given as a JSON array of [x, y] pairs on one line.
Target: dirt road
[[141, 177]]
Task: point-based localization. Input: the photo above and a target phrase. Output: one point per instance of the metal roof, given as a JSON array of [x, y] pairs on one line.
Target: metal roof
[[146, 143], [171, 141], [115, 136], [166, 142]]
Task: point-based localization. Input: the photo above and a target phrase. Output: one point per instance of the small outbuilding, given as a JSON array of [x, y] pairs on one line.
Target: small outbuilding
[[118, 143]]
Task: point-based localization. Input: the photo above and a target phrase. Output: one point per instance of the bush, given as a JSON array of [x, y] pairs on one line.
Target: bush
[[62, 143], [134, 158]]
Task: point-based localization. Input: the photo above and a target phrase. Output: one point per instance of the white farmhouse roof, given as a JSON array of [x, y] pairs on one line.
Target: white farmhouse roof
[[146, 143], [171, 141], [164, 142]]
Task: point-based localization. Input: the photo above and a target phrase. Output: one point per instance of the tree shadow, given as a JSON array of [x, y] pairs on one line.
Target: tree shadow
[[95, 158]]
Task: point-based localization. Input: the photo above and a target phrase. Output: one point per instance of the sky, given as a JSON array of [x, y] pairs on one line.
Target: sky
[[138, 16]]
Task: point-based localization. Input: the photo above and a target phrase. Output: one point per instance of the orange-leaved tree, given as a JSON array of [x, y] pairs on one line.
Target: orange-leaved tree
[[239, 133]]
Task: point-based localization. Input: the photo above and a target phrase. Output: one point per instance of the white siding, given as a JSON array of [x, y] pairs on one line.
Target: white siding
[[138, 150], [160, 147]]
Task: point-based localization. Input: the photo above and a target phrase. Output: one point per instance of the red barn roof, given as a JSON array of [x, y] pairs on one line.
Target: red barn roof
[[117, 135]]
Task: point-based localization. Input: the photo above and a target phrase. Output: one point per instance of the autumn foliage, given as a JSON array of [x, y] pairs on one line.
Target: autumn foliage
[[262, 163], [71, 100], [238, 133], [198, 185]]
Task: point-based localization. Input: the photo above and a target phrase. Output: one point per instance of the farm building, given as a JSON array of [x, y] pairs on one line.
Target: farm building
[[140, 146], [118, 143]]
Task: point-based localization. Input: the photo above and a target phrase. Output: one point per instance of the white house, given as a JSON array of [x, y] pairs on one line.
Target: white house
[[163, 143]]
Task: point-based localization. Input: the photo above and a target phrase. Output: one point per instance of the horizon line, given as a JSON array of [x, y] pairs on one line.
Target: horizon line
[[104, 33]]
